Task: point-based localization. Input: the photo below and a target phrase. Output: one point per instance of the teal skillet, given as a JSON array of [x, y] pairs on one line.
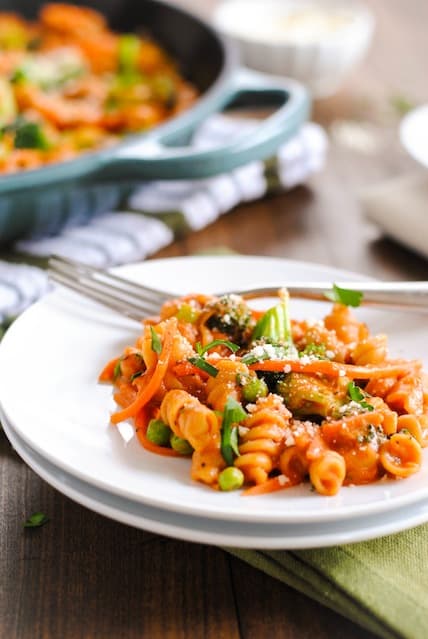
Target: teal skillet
[[42, 201]]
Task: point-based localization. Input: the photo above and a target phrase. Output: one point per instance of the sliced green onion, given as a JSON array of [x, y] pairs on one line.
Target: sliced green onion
[[117, 369], [233, 413], [129, 51], [156, 341], [357, 395], [201, 350], [35, 520], [205, 366]]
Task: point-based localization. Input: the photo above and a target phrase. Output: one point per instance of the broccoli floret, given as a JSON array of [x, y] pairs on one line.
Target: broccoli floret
[[307, 395], [230, 315]]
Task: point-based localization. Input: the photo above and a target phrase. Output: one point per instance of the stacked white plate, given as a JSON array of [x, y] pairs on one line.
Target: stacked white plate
[[56, 416]]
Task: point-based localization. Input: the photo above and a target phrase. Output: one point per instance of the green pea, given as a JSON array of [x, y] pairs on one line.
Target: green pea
[[180, 445], [230, 478], [158, 432], [254, 388]]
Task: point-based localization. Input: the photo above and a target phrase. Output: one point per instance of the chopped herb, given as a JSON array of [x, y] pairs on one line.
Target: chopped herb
[[205, 366], [135, 375], [234, 440], [129, 52], [249, 358], [401, 104], [18, 76], [372, 433], [156, 341], [344, 296], [117, 369], [233, 413], [357, 395], [317, 350], [201, 350], [36, 520]]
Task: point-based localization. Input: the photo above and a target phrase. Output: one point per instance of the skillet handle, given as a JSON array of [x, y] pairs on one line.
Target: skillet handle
[[153, 160]]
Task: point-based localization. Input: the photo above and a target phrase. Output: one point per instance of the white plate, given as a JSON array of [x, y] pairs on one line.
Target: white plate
[[51, 358], [414, 134], [214, 531]]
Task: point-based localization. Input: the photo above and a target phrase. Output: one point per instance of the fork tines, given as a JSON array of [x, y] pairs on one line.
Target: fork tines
[[117, 293]]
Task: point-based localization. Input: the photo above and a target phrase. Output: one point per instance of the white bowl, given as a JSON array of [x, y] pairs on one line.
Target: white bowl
[[315, 42]]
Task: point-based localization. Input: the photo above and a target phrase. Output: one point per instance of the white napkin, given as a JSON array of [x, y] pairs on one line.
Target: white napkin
[[400, 208]]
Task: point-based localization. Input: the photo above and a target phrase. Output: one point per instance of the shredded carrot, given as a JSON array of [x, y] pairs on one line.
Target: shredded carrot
[[269, 486], [107, 373], [146, 392], [333, 369], [141, 423]]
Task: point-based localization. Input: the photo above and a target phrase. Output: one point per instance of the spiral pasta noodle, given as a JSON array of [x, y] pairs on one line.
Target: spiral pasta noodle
[[372, 350], [262, 439], [189, 418], [225, 384]]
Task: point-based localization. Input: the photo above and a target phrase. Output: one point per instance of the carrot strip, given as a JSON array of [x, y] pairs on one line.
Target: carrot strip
[[146, 393], [107, 373], [269, 486], [333, 369], [141, 423]]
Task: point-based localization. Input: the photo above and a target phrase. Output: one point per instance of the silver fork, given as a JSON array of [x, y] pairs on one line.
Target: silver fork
[[137, 301]]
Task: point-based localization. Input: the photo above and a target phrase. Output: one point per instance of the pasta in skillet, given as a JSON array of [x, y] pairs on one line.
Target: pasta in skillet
[[264, 402], [69, 84]]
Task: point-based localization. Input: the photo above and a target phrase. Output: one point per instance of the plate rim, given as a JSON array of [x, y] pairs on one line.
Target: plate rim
[[190, 533], [341, 513], [406, 125]]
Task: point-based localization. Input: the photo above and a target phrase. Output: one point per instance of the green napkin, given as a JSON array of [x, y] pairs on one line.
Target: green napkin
[[381, 584]]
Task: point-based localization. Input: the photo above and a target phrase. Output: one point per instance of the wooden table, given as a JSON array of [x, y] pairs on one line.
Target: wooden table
[[84, 576]]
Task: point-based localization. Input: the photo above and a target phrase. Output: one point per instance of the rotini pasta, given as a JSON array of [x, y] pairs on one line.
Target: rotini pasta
[[265, 403]]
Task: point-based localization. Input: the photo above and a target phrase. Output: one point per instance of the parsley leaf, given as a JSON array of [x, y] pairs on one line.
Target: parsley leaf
[[233, 413], [35, 520], [205, 366], [357, 395], [156, 342], [201, 350], [344, 296]]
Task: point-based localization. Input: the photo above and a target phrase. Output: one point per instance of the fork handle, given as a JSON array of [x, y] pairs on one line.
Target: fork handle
[[401, 295]]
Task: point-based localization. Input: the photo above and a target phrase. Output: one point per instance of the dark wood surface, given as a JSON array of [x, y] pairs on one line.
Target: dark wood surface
[[84, 576]]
